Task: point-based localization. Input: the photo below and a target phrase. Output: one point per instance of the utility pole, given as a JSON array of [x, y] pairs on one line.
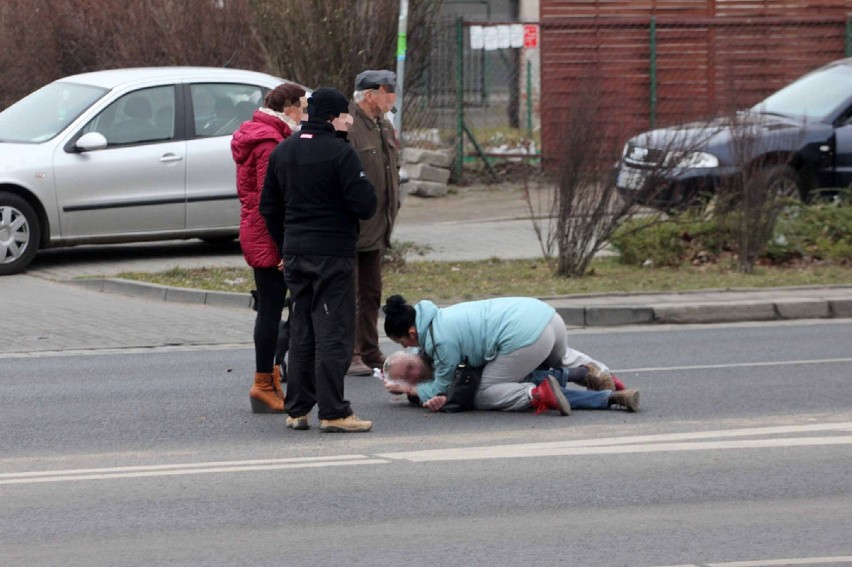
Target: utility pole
[[401, 46]]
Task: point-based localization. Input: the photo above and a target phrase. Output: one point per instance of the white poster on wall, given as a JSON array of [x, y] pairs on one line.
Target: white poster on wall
[[504, 37], [491, 42], [517, 33], [476, 37]]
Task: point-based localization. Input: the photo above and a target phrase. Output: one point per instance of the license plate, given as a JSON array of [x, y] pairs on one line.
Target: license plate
[[632, 179]]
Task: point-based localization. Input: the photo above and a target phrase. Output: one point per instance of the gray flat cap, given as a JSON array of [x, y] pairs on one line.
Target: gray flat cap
[[367, 80]]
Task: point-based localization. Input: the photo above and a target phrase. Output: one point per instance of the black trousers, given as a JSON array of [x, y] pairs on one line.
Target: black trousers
[[270, 304], [368, 289], [322, 333]]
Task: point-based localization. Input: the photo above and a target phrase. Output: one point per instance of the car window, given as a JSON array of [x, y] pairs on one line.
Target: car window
[[814, 96], [142, 116], [43, 114], [220, 108]]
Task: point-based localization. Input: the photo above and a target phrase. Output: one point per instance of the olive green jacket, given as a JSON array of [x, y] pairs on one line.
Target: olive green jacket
[[378, 149]]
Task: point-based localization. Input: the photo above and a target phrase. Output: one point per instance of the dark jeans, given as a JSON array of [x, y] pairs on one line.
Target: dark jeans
[[322, 332], [368, 288], [270, 304]]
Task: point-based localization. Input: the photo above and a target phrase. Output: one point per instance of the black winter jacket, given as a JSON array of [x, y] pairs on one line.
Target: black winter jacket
[[315, 193]]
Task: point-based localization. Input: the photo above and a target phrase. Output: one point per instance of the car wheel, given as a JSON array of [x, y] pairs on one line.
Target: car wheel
[[19, 233], [781, 182]]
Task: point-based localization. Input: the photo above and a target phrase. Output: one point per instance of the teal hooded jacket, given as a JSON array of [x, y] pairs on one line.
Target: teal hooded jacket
[[478, 330]]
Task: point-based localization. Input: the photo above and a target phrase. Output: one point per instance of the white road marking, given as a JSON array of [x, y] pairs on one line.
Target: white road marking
[[810, 435], [774, 562], [107, 351], [733, 365], [140, 468], [646, 441], [198, 468], [521, 451]]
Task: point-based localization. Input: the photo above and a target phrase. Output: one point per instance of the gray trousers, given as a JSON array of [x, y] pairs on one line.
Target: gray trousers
[[502, 387]]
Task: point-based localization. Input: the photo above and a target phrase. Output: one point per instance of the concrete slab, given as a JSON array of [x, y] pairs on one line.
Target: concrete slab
[[227, 299], [573, 316], [715, 312], [618, 315], [186, 296], [803, 309], [130, 287], [841, 308]]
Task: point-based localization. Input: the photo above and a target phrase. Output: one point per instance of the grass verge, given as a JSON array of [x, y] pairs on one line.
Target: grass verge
[[457, 281]]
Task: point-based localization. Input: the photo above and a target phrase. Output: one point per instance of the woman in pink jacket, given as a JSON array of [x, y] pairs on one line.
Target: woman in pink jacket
[[251, 145]]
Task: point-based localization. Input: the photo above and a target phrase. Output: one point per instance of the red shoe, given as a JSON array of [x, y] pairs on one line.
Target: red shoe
[[548, 396], [619, 385]]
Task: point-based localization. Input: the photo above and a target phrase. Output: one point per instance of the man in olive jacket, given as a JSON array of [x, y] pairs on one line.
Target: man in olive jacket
[[373, 137], [314, 195]]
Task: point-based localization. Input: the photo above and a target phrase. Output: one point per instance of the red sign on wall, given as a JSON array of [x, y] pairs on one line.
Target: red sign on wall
[[530, 35]]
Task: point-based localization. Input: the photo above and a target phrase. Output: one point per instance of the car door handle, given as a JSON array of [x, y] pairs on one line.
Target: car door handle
[[168, 158]]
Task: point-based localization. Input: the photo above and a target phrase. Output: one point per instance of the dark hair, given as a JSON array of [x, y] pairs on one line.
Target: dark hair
[[282, 96], [399, 316]]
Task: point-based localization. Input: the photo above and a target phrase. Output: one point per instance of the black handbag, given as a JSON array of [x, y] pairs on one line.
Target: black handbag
[[462, 390]]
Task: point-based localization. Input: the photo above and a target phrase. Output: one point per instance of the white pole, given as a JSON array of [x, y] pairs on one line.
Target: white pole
[[401, 46]]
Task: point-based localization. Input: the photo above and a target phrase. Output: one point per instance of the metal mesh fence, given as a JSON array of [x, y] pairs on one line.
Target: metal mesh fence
[[473, 91]]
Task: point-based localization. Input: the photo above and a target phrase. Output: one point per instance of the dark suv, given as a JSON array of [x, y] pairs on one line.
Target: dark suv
[[798, 140]]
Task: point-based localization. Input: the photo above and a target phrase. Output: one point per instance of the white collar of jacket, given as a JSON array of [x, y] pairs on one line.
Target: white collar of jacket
[[294, 126]]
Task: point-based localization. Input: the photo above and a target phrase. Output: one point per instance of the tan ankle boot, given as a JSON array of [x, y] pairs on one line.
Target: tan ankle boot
[[276, 381], [598, 379], [628, 399], [358, 368], [263, 396]]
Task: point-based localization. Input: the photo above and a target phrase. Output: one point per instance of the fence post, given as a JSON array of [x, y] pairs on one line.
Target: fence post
[[529, 100], [653, 72], [459, 99]]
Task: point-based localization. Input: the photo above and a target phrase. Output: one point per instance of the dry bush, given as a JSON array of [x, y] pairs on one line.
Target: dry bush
[[585, 207], [64, 37], [328, 42]]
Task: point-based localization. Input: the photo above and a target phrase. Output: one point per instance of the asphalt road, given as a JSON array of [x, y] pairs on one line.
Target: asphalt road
[[150, 456]]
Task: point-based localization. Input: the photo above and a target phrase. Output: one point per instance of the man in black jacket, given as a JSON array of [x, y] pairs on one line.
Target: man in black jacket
[[313, 197]]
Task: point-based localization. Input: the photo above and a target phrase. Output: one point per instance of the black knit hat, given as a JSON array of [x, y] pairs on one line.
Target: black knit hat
[[326, 103]]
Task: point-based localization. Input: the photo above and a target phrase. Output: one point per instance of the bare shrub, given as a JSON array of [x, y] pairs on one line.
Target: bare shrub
[[749, 202], [64, 37], [584, 208], [27, 60], [328, 42]]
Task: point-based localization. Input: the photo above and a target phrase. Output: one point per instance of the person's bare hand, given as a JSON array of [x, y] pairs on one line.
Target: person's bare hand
[[436, 403], [280, 265], [395, 387]]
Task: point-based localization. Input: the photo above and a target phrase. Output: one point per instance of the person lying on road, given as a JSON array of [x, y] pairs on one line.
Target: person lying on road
[[509, 338]]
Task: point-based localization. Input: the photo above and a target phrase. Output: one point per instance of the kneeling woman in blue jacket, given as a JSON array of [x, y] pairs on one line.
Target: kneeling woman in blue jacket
[[509, 337]]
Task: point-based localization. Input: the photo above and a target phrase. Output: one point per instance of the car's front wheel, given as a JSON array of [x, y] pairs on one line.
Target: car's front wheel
[[781, 182], [19, 233]]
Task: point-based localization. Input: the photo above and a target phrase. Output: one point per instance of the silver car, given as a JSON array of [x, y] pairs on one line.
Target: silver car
[[123, 155]]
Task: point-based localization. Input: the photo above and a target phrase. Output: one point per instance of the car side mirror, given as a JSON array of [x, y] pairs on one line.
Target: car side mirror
[[91, 141]]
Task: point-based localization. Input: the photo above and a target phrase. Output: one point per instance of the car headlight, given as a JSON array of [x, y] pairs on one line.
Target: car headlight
[[690, 160]]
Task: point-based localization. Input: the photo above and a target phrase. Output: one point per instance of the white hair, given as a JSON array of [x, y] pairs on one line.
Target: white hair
[[358, 96]]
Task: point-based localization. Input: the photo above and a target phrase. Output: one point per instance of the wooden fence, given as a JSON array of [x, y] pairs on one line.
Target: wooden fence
[[653, 63]]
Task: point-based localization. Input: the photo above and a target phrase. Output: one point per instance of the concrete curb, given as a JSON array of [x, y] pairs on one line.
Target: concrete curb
[[697, 311], [166, 293]]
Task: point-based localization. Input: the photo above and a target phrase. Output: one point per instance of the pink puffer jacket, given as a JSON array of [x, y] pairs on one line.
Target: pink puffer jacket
[[251, 146]]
